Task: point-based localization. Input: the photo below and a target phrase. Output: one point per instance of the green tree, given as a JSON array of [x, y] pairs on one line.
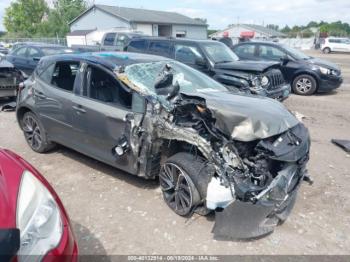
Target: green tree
[[59, 17], [24, 17]]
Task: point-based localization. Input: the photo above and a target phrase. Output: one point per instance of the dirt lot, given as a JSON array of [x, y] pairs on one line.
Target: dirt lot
[[115, 213]]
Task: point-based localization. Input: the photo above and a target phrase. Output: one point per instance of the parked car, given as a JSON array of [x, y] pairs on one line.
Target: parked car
[[33, 222], [10, 78], [111, 41], [218, 61], [335, 44], [306, 74], [27, 56], [212, 149]]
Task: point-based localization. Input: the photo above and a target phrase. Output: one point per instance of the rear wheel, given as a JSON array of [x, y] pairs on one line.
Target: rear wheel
[[35, 134], [326, 50], [304, 85], [179, 190]]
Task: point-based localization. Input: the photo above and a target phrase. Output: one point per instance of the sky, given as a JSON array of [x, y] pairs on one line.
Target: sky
[[220, 13]]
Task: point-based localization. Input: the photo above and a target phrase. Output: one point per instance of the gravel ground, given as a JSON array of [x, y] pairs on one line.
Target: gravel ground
[[115, 213]]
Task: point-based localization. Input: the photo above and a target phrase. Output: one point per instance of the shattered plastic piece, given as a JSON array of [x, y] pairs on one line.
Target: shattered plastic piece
[[218, 196], [344, 144]]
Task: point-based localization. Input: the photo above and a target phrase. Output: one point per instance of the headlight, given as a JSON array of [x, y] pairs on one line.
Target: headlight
[[325, 71], [38, 218], [256, 82], [265, 81]]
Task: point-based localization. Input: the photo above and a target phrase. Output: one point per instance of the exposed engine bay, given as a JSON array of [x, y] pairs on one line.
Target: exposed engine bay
[[10, 78], [251, 162]]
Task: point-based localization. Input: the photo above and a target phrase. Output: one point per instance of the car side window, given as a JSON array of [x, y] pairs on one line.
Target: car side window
[[64, 75], [33, 52], [137, 46], [109, 39], [160, 48], [122, 40], [101, 86], [46, 75], [245, 51], [187, 54], [21, 51], [270, 53]]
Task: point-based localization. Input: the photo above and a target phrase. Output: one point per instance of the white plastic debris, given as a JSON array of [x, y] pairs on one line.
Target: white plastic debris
[[218, 195]]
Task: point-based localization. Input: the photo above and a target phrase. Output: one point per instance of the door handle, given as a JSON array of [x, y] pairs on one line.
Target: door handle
[[79, 109], [39, 94]]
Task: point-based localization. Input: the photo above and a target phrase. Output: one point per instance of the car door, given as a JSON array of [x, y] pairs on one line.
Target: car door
[[246, 52], [273, 53], [100, 111], [33, 57], [19, 59], [53, 94]]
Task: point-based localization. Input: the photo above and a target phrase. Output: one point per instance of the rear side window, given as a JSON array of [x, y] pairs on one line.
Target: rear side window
[[161, 48], [137, 45], [64, 75], [109, 39], [33, 52]]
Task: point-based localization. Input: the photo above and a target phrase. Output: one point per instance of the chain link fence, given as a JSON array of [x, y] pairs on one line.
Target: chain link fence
[[57, 41]]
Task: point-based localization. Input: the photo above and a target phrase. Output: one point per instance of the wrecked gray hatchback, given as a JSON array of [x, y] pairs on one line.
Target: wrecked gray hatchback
[[240, 156]]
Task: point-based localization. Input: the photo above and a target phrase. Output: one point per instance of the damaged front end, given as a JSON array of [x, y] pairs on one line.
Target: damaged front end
[[10, 78], [253, 151]]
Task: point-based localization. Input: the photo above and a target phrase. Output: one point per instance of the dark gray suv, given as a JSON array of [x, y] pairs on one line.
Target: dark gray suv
[[241, 156]]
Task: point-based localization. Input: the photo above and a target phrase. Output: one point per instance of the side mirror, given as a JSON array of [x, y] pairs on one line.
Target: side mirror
[[201, 62], [285, 59], [36, 59]]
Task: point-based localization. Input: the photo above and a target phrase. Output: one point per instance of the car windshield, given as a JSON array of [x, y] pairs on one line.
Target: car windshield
[[145, 75], [298, 55], [55, 50], [219, 53]]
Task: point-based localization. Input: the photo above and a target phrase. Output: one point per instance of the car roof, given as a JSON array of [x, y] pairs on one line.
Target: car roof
[[260, 42], [108, 59], [173, 39], [37, 44]]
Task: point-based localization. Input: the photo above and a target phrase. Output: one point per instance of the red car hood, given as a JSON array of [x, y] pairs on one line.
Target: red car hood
[[11, 170]]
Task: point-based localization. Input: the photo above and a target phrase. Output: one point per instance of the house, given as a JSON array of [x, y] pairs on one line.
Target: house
[[248, 31], [150, 22]]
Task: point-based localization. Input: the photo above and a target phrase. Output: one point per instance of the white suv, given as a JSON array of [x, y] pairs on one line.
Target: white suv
[[335, 45]]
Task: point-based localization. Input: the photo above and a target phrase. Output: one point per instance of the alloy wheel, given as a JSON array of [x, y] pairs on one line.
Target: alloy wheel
[[32, 132], [304, 85], [176, 187]]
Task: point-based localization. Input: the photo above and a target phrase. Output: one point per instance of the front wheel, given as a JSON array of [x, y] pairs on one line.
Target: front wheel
[[326, 50], [35, 134], [179, 190], [304, 85]]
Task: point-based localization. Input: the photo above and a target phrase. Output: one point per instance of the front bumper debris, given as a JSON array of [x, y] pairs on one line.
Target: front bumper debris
[[247, 220], [280, 93]]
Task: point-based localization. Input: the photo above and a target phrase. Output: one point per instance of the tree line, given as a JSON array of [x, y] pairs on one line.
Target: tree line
[[337, 28], [35, 18]]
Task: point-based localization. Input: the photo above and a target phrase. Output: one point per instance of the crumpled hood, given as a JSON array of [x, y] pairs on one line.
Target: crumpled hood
[[245, 117], [324, 63], [253, 66]]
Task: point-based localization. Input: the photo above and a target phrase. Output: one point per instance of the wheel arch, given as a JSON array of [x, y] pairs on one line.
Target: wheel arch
[[307, 72], [20, 113]]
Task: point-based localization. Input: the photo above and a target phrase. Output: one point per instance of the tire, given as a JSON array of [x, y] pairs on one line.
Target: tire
[[35, 133], [326, 50], [177, 179], [304, 85]]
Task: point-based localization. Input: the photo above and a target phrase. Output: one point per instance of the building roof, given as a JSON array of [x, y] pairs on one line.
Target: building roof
[[144, 15], [264, 30], [80, 32], [256, 28]]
